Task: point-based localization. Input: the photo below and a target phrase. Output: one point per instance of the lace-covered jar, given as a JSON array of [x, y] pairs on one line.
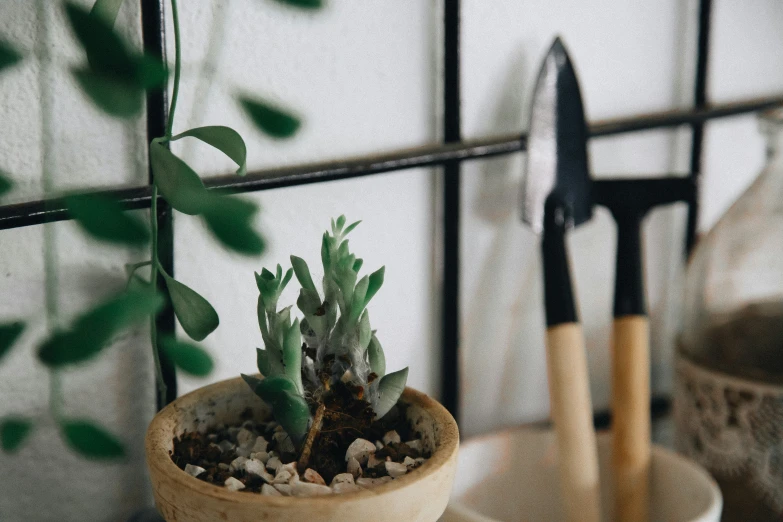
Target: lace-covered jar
[[728, 400]]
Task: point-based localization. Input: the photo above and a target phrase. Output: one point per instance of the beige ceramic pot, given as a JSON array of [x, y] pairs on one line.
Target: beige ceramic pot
[[420, 495]]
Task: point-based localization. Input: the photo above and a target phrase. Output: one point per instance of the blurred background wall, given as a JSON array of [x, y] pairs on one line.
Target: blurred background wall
[[365, 76]]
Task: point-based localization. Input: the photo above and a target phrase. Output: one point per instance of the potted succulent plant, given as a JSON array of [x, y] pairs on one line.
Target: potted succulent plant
[[324, 433]]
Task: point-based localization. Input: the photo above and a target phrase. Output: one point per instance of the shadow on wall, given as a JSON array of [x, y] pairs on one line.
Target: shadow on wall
[[502, 355]]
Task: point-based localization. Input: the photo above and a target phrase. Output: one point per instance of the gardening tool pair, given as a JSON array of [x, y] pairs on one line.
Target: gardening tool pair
[[558, 195]]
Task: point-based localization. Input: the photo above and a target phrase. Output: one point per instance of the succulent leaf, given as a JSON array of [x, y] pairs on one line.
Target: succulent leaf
[[292, 356], [376, 280], [325, 254], [389, 391], [262, 361], [365, 331], [376, 357], [357, 302], [290, 409], [351, 227], [302, 272]]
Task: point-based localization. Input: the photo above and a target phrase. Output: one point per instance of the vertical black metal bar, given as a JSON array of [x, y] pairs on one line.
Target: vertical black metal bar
[[153, 27], [700, 101], [451, 211]]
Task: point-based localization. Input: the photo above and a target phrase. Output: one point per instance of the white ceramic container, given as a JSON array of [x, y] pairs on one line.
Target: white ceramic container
[[512, 476]]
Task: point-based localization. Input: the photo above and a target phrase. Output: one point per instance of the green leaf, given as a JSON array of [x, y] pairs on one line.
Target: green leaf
[[292, 356], [90, 440], [230, 219], [351, 227], [225, 139], [303, 4], [115, 97], [357, 304], [5, 183], [286, 279], [106, 52], [308, 302], [325, 255], [9, 333], [302, 272], [8, 55], [188, 357], [273, 121], [389, 391], [341, 222], [377, 357], [357, 265], [13, 432], [150, 72], [289, 408], [92, 331], [251, 381], [195, 314], [277, 383], [365, 331], [376, 280], [262, 361], [105, 219], [106, 9], [178, 183]]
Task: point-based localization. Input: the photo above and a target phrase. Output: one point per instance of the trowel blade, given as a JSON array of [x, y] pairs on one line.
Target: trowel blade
[[557, 167]]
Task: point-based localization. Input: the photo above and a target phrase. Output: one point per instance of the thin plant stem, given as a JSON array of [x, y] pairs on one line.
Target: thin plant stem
[[155, 266], [47, 167], [177, 68]]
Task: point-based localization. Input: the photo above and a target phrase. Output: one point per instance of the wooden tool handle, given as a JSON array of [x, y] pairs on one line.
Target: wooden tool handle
[[631, 417], [572, 415]]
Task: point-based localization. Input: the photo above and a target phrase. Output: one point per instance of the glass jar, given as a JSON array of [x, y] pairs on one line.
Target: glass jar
[[728, 399]]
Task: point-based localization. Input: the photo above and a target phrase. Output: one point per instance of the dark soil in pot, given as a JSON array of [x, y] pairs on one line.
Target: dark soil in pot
[[223, 452]]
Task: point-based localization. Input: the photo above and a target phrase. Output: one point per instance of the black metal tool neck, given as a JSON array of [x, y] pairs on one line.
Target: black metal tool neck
[[558, 295], [628, 283]]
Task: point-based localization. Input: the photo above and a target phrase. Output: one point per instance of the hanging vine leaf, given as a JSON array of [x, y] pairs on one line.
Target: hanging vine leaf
[[104, 218], [106, 9], [92, 331], [106, 52], [271, 120], [188, 357], [8, 55], [230, 219], [225, 139], [13, 432], [90, 440], [303, 4], [178, 183], [197, 317], [5, 183], [114, 97], [117, 76], [9, 333]]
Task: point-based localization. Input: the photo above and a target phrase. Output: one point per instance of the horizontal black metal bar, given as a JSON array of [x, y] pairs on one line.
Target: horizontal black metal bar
[[37, 212], [668, 119]]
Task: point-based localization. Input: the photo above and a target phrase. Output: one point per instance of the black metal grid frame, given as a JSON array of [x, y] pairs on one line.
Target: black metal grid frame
[[449, 155]]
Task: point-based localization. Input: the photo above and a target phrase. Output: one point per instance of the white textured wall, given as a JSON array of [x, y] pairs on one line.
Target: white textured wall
[[364, 75]]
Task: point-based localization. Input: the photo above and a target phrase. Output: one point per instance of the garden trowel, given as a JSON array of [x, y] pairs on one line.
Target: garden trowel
[[556, 197]]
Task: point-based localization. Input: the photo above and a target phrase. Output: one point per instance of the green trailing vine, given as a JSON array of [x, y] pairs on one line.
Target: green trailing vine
[[115, 78]]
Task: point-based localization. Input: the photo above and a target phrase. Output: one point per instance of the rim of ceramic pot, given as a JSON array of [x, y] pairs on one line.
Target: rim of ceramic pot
[[161, 432], [661, 453]]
